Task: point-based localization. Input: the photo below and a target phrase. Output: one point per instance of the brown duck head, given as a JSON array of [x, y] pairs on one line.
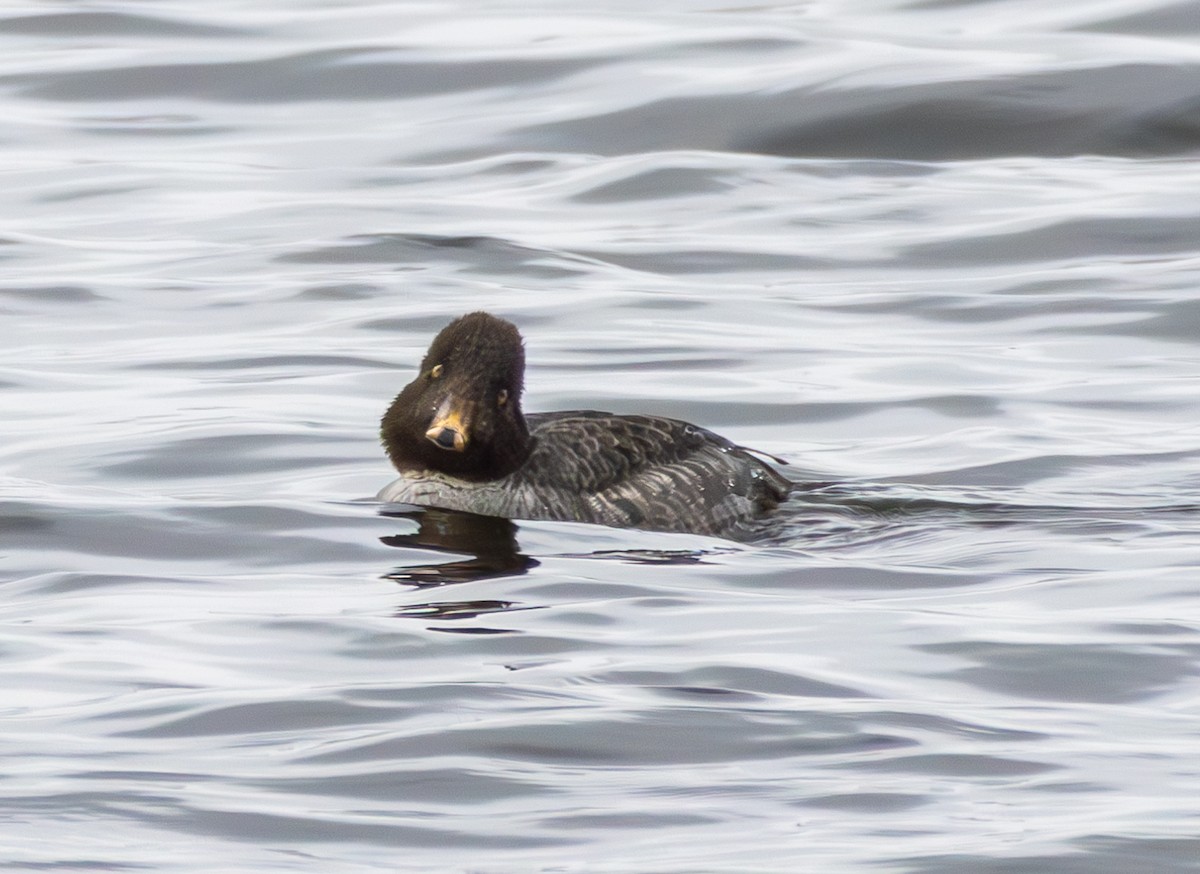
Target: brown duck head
[[462, 414]]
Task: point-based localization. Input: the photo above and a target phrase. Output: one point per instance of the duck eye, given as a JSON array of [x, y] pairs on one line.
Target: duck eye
[[435, 371], [502, 397]]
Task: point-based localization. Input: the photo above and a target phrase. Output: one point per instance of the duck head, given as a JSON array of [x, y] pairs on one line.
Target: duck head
[[462, 414]]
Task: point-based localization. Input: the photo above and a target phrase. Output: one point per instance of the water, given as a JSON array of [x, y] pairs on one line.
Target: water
[[942, 256]]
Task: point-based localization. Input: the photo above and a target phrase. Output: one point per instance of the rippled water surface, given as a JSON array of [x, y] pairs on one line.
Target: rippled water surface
[[944, 257]]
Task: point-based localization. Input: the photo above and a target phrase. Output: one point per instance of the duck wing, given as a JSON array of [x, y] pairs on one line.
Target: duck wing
[[646, 472]]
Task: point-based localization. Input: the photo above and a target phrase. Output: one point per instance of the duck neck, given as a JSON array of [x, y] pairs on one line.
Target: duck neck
[[494, 450]]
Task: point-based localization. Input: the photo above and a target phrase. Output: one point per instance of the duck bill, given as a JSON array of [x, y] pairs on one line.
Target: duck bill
[[449, 429]]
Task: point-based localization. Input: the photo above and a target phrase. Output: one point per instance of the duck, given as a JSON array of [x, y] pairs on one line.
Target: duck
[[460, 441]]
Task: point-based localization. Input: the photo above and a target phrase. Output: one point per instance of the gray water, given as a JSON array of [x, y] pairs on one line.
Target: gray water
[[944, 257]]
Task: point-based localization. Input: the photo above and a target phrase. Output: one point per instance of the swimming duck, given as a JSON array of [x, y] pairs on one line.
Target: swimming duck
[[458, 437]]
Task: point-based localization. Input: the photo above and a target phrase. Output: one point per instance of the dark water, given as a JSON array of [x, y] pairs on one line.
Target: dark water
[[942, 256]]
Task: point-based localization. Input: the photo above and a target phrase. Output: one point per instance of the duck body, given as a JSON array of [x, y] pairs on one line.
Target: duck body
[[460, 442]]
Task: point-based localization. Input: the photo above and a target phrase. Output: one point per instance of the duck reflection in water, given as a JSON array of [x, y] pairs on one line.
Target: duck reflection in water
[[490, 540], [492, 543]]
